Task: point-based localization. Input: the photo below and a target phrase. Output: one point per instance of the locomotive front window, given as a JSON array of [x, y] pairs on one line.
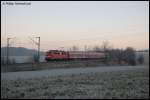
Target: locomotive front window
[[56, 53]]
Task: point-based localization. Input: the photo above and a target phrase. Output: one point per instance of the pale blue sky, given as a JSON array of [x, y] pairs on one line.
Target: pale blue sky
[[67, 23]]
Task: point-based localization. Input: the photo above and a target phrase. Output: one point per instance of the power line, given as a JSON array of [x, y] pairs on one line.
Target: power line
[[104, 37]]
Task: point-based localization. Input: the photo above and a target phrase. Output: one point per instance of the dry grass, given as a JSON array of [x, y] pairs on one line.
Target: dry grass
[[120, 84]]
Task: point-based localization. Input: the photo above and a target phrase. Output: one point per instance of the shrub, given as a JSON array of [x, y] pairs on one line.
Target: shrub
[[119, 56], [3, 61], [13, 61], [141, 59], [130, 56], [36, 58]]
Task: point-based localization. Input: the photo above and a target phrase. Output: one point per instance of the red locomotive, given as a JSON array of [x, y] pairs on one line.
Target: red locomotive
[[56, 55], [63, 55]]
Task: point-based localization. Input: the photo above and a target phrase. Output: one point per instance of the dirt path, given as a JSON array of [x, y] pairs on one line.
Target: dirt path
[[60, 72]]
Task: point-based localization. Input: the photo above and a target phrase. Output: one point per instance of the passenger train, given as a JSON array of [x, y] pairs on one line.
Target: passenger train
[[71, 55]]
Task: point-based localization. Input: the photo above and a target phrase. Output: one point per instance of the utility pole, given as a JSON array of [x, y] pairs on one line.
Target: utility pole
[[38, 44], [8, 50], [38, 48]]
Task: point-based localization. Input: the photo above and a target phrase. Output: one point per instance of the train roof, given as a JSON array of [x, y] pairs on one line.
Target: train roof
[[75, 51], [55, 51]]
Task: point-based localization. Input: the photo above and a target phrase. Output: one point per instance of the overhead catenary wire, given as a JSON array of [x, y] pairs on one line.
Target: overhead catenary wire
[[69, 43]]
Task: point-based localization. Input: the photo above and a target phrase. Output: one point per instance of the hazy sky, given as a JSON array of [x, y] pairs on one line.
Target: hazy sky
[[80, 23]]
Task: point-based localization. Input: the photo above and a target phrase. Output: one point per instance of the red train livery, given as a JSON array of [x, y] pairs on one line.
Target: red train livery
[[65, 55]]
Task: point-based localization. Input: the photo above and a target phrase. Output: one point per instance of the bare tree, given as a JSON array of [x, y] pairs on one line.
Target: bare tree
[[74, 48], [97, 48], [106, 46]]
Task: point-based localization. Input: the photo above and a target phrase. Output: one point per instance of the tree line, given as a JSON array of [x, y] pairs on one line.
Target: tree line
[[115, 55]]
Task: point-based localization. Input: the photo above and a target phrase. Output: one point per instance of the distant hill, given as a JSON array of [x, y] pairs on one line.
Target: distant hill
[[19, 51]]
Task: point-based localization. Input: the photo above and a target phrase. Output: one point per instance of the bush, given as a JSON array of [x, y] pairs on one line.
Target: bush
[[36, 58], [126, 56], [13, 61], [141, 59], [3, 60], [130, 56]]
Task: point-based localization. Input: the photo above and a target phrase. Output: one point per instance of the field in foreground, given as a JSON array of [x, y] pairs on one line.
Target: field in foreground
[[119, 84]]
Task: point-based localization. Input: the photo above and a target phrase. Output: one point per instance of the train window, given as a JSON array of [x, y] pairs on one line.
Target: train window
[[56, 53], [64, 53]]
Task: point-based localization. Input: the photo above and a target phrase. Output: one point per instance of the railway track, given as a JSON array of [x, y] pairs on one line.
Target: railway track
[[51, 65], [58, 61]]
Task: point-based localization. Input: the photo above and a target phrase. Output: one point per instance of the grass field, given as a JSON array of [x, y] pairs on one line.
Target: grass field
[[129, 84]]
